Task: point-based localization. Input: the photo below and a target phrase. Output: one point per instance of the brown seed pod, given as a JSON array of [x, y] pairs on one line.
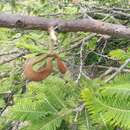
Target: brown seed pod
[[61, 65], [39, 75]]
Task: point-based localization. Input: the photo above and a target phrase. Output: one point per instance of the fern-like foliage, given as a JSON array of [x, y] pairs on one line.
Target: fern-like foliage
[[110, 103], [46, 105]]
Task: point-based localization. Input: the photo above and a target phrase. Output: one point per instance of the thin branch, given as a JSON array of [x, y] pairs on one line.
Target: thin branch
[[3, 109], [8, 98], [104, 56], [121, 9], [3, 75], [8, 53], [78, 109], [117, 14], [102, 51], [89, 37], [114, 68], [118, 71], [81, 62], [9, 60], [110, 70]]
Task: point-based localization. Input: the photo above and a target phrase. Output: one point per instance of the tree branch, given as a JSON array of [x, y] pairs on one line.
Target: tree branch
[[85, 25], [118, 71]]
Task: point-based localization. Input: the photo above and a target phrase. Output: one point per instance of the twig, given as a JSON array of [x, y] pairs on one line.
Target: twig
[[16, 125], [105, 56], [102, 51], [118, 14], [121, 9], [53, 38], [5, 93], [85, 76], [18, 56], [59, 14], [9, 101], [80, 42], [3, 75], [81, 62], [106, 72], [114, 68], [8, 53], [3, 109], [118, 71], [78, 109]]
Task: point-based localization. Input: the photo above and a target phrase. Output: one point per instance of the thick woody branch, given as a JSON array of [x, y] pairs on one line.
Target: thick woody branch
[[85, 25]]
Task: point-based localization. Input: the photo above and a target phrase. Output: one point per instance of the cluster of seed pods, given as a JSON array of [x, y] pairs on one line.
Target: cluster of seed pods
[[44, 72]]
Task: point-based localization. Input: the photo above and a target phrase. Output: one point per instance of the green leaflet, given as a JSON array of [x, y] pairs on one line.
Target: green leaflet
[[110, 104], [46, 105]]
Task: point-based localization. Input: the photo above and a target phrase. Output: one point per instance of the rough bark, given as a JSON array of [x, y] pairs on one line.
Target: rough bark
[[85, 25]]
